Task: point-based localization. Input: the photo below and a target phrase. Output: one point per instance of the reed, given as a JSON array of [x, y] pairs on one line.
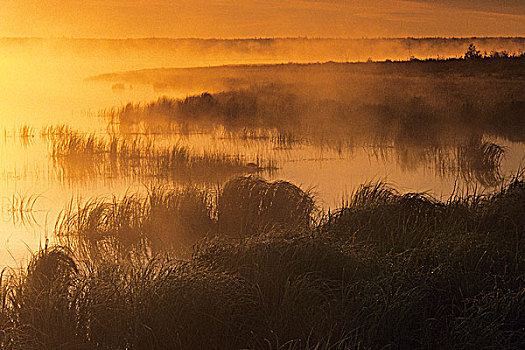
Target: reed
[[481, 160], [141, 157], [167, 218], [158, 221], [56, 131]]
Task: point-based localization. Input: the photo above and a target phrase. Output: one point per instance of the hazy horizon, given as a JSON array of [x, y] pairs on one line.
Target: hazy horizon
[[263, 37]]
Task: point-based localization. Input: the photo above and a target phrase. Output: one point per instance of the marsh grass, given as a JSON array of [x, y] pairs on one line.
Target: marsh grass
[[51, 132], [166, 219], [92, 155], [377, 214], [283, 140], [256, 106], [26, 131], [481, 160], [440, 124], [388, 270], [158, 221], [26, 135], [418, 100], [475, 161], [249, 205]]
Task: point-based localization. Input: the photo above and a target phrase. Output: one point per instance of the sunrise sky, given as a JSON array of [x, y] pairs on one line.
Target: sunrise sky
[[260, 18]]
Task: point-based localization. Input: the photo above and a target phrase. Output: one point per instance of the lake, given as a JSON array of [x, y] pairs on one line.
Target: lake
[[326, 127]]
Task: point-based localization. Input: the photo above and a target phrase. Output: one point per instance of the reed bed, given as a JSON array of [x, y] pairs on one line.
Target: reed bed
[[249, 205], [159, 220], [387, 270], [481, 160], [279, 139], [476, 160], [24, 133], [453, 133], [421, 116], [140, 156], [406, 105], [257, 106]]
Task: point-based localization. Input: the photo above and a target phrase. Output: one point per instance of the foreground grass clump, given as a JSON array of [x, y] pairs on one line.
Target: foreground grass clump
[[158, 220], [165, 218], [250, 205], [388, 270]]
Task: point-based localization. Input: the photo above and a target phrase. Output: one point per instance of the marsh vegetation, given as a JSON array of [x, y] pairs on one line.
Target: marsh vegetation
[[386, 269], [442, 114], [198, 213], [141, 156]]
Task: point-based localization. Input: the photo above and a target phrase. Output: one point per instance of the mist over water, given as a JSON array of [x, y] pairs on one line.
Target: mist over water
[[328, 127]]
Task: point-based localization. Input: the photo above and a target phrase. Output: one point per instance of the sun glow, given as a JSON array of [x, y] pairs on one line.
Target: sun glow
[[256, 18]]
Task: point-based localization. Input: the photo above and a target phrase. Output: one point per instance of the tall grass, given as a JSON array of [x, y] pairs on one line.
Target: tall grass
[[279, 139], [377, 214], [475, 160], [167, 218], [481, 160], [418, 101], [26, 131], [140, 156], [438, 122], [26, 135], [388, 270], [57, 131], [160, 220], [248, 205]]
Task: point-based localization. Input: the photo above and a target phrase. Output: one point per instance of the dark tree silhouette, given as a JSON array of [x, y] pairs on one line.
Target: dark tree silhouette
[[472, 53]]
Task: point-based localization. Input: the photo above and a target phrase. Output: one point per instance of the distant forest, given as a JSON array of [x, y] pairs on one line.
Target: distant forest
[[163, 52]]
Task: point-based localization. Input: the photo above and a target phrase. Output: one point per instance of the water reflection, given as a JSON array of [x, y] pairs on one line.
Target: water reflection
[[328, 127], [21, 209], [476, 161], [82, 156], [413, 137]]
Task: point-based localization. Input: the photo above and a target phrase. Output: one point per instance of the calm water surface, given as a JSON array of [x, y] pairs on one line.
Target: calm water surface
[[34, 188]]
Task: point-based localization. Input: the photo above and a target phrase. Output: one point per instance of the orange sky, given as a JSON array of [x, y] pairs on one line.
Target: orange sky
[[261, 18]]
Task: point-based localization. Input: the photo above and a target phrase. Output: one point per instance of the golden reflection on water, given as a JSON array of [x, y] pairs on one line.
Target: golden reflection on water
[[29, 172]]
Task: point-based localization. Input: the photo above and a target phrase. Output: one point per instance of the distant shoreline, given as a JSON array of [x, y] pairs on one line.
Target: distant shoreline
[[264, 38]]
